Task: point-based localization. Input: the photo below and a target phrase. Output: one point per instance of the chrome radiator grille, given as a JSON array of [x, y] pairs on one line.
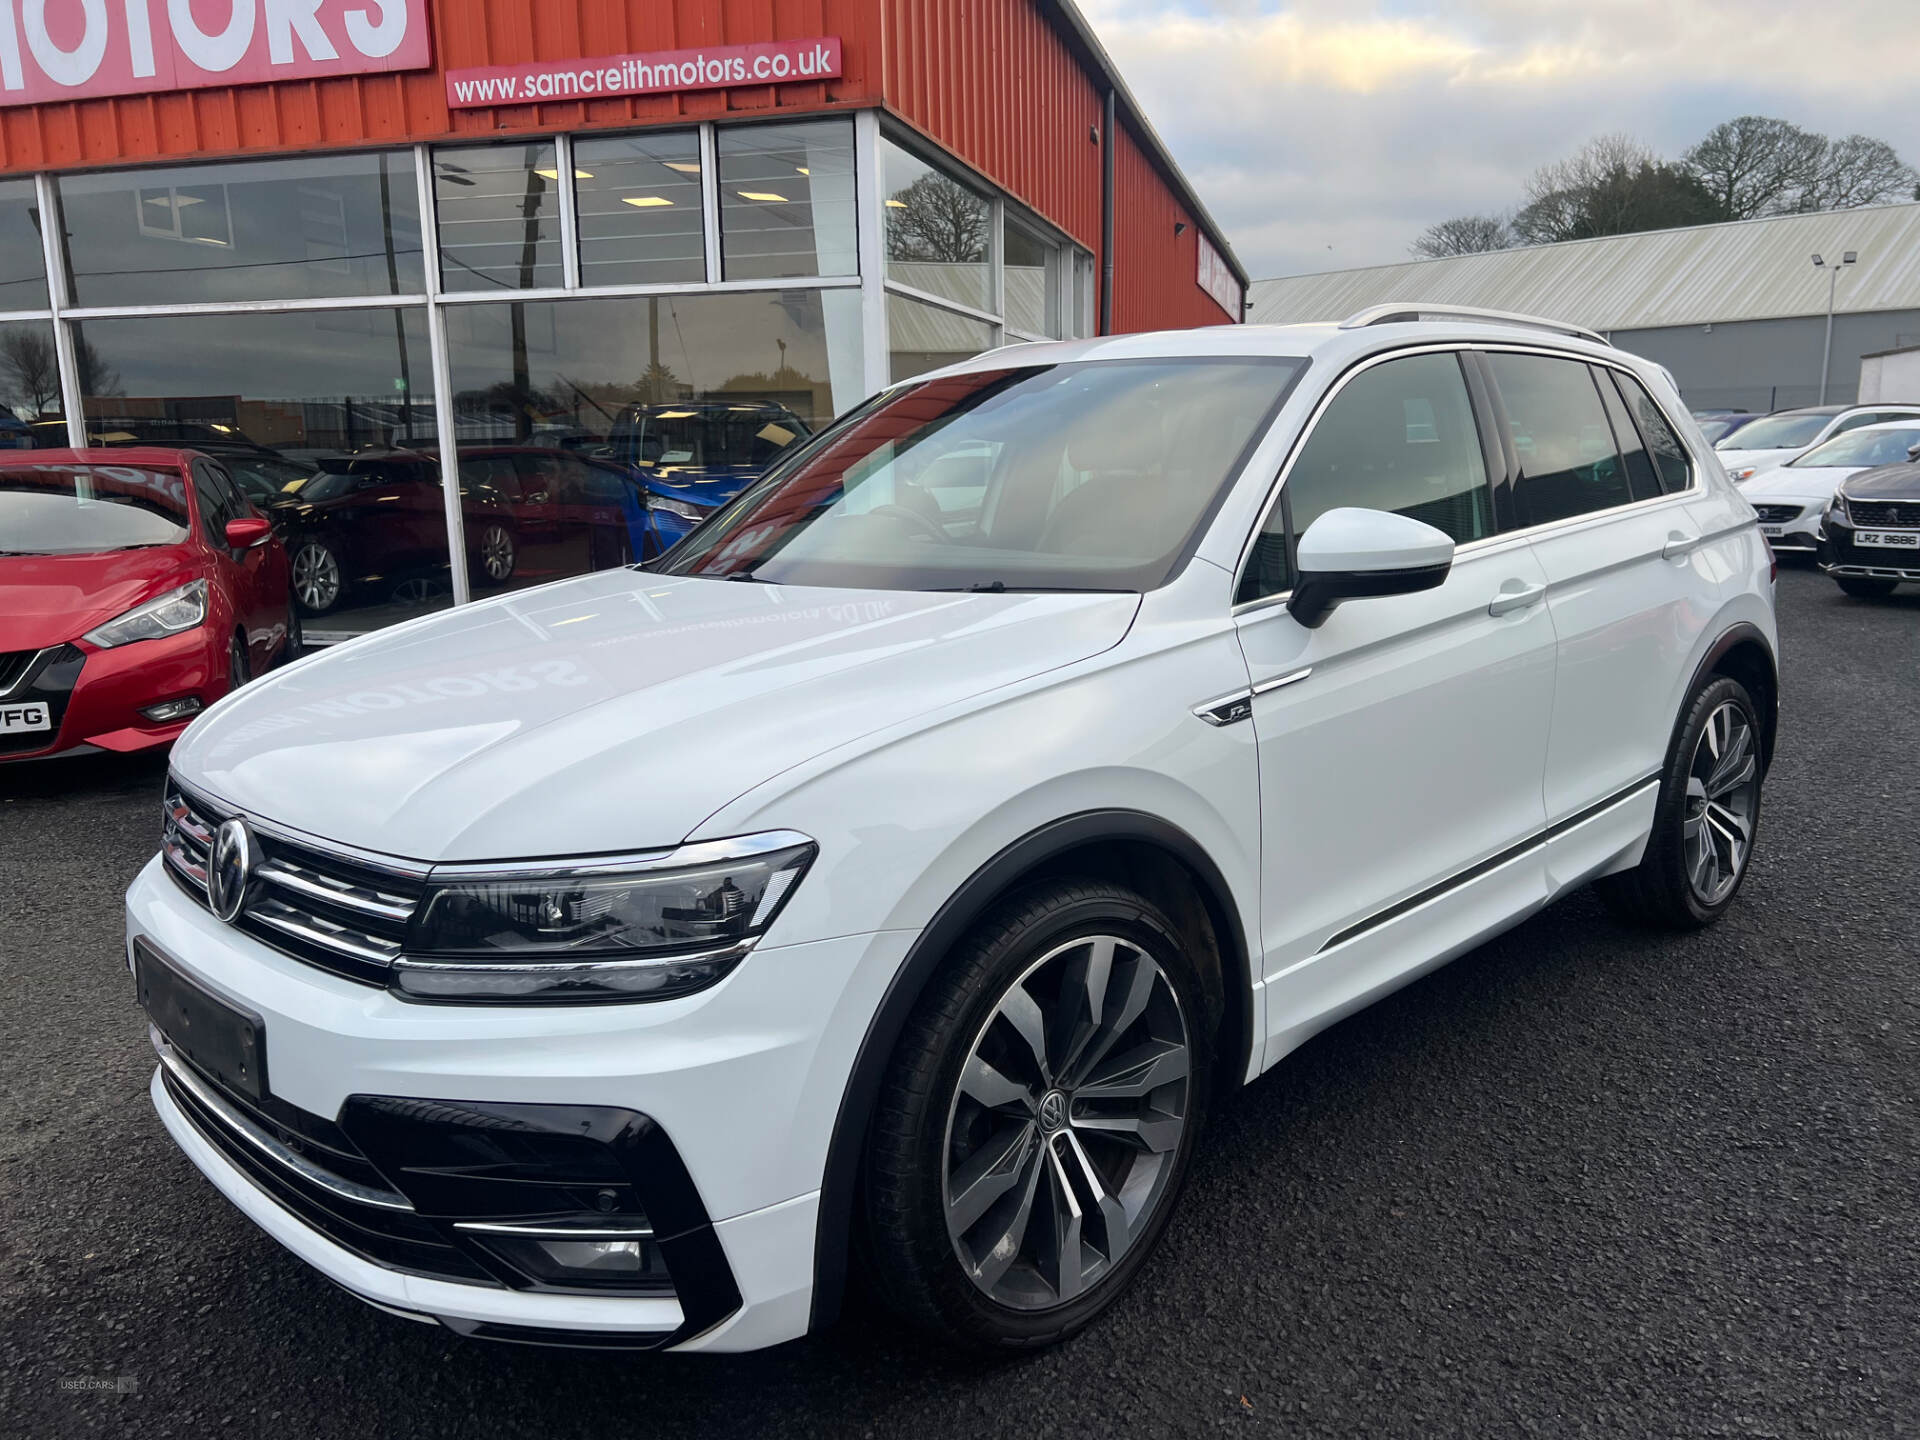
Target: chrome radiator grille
[[343, 912]]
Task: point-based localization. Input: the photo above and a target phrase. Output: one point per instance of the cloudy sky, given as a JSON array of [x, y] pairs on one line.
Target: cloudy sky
[[1324, 134]]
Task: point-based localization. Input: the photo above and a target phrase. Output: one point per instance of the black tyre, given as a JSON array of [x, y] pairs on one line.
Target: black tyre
[[239, 664], [295, 644], [318, 579], [1037, 1119], [1706, 819], [1862, 588]]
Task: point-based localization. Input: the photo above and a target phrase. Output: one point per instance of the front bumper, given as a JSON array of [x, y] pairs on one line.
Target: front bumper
[[95, 696], [1797, 525], [1840, 556], [744, 1080]]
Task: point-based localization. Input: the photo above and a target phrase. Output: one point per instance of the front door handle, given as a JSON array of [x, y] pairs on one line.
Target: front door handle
[[1679, 545], [1515, 595]]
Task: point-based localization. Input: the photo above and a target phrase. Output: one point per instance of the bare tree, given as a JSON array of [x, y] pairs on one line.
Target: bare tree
[[1858, 170], [1756, 165], [97, 377], [936, 219], [29, 369], [1464, 235]]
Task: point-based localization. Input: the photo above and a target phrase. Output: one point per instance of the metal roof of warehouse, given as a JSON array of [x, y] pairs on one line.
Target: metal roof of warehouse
[[1708, 274]]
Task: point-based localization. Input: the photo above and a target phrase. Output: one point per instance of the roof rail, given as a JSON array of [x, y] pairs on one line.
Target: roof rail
[[1398, 312]]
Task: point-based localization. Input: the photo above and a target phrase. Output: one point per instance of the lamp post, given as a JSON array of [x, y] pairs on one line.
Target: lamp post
[[1833, 280]]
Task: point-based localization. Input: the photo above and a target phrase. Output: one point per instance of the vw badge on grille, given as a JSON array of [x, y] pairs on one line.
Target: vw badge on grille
[[229, 867]]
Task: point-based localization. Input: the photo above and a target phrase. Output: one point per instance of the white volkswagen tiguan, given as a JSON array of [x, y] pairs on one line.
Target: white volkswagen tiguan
[[899, 867]]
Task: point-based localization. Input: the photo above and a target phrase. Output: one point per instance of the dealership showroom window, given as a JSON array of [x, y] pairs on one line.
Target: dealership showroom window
[[611, 315]]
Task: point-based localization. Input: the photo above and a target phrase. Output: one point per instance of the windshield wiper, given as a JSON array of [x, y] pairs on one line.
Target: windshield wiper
[[1000, 587], [752, 577]]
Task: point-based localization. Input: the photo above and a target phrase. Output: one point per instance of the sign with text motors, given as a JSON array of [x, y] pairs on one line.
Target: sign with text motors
[[714, 67], [54, 50]]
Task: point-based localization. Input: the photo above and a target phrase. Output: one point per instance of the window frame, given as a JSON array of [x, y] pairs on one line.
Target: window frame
[[1496, 441], [1278, 500]]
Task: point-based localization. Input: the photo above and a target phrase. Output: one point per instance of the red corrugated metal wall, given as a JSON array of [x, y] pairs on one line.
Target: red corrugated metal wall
[[360, 110], [990, 80], [993, 82], [1156, 283]]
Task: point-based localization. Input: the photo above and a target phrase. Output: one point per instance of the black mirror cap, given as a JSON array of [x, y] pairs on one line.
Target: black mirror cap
[[1317, 592]]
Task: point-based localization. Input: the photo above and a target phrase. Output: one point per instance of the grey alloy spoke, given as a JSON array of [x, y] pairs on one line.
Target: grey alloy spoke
[[1151, 1130], [1137, 1073], [1139, 977], [1083, 995], [989, 1173], [1062, 1252], [1739, 748], [996, 1259], [1116, 1230], [991, 1087], [1022, 1012], [1725, 781]]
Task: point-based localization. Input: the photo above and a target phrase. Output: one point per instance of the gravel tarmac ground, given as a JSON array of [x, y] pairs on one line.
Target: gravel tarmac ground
[[1583, 1181]]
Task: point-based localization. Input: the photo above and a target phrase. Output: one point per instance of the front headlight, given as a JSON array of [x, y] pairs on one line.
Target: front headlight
[[685, 509], [626, 928], [1737, 474], [173, 612], [1837, 508]]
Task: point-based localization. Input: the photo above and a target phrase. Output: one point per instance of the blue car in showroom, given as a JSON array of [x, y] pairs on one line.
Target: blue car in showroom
[[694, 456]]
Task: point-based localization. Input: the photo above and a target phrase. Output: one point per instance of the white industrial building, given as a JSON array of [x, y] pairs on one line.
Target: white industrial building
[[1737, 312]]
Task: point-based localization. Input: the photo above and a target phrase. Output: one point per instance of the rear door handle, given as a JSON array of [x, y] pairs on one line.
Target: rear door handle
[[1515, 595], [1679, 546]]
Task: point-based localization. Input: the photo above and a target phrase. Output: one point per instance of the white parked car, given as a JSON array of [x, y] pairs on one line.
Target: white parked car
[[910, 857], [1775, 439], [1790, 499]]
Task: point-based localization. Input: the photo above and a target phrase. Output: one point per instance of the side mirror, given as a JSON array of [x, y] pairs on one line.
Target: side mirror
[[1350, 554], [245, 533], [1913, 452]]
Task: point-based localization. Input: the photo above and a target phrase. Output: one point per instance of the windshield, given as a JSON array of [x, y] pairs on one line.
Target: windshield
[[1777, 432], [263, 477], [705, 436], [89, 509], [1087, 476], [1718, 430], [1863, 447]]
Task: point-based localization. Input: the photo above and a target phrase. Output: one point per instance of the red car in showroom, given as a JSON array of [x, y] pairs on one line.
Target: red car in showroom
[[137, 586]]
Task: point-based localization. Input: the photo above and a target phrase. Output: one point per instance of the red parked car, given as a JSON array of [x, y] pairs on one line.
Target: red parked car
[[137, 586]]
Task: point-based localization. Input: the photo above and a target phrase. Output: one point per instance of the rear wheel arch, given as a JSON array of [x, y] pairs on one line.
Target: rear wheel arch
[[1143, 851]]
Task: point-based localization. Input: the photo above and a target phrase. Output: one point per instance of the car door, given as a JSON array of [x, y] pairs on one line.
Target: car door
[[1612, 517], [242, 574], [1403, 742]]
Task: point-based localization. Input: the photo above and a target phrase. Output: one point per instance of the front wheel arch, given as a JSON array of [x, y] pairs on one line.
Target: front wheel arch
[[1146, 849]]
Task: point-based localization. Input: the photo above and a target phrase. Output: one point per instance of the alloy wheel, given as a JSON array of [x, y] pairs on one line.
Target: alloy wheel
[[1723, 796], [1066, 1123], [316, 577], [496, 553]]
